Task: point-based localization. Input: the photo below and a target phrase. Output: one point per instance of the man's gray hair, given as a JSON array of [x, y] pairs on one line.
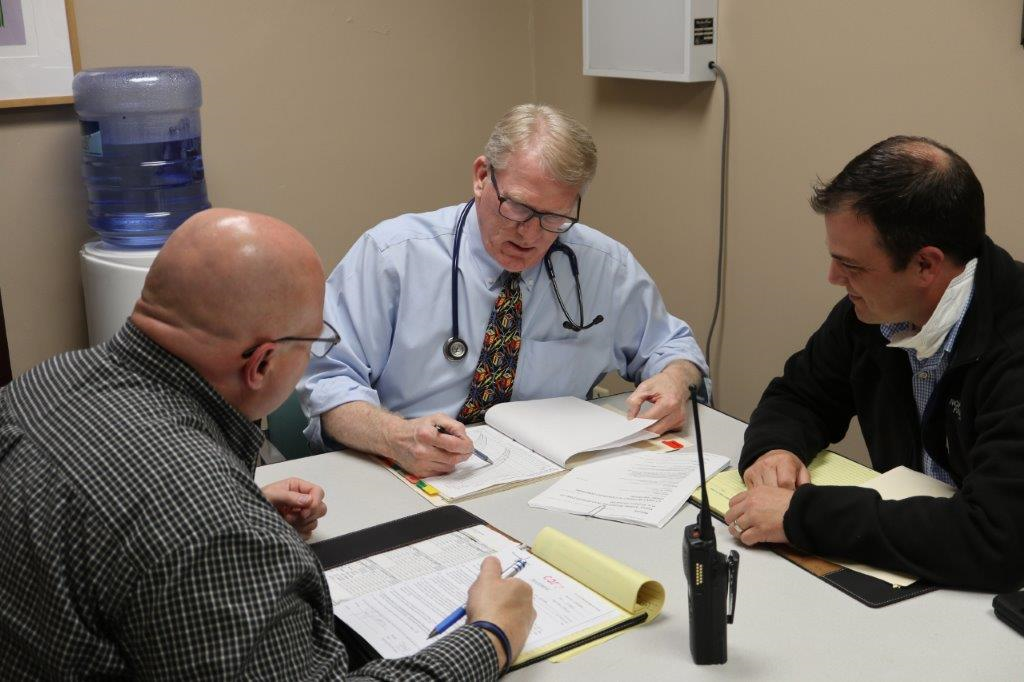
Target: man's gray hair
[[566, 148]]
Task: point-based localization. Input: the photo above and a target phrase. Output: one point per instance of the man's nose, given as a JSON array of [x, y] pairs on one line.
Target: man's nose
[[835, 274], [530, 229]]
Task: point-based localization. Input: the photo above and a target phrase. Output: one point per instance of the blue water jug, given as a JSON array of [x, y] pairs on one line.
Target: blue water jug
[[141, 155]]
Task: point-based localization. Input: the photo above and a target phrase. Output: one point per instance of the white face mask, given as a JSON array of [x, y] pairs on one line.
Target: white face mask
[[929, 339]]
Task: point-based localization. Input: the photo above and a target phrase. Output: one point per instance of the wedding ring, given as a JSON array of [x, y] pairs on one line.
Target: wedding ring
[[736, 525]]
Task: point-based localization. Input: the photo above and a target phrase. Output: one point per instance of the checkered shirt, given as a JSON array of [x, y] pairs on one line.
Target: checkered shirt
[[925, 376], [135, 544]]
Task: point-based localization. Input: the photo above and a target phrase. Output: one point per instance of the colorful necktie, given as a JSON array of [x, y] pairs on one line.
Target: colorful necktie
[[496, 370]]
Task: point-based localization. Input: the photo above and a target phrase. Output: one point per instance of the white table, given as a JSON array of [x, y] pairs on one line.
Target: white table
[[789, 625]]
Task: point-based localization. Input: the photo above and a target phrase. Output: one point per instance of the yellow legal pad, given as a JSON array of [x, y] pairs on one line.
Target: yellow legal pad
[[633, 593], [827, 468]]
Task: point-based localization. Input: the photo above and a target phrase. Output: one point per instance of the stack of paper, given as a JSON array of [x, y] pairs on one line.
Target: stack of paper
[[643, 488]]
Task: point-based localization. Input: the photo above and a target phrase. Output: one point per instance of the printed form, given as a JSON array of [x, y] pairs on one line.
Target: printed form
[[394, 599], [644, 488], [512, 462]]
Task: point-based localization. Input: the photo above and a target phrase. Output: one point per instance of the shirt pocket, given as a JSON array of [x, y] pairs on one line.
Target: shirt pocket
[[560, 367]]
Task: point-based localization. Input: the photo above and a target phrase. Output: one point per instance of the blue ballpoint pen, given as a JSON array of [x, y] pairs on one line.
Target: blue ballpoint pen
[[440, 429], [460, 612]]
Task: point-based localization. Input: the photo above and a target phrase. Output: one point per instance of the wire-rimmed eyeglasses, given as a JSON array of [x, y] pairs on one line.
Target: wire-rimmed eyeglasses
[[321, 345]]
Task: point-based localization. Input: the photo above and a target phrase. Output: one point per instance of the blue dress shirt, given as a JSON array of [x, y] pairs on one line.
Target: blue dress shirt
[[390, 300]]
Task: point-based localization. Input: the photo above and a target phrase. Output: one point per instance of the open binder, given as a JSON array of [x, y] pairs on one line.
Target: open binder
[[635, 598]]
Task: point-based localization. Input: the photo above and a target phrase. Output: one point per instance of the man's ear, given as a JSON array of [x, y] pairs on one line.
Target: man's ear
[[257, 367], [479, 176], [927, 263]]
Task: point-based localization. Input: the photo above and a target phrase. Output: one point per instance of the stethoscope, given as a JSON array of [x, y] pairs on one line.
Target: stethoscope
[[455, 348]]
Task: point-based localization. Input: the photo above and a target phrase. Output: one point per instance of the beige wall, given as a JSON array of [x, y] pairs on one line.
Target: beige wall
[[336, 114], [812, 83], [329, 114], [42, 202]]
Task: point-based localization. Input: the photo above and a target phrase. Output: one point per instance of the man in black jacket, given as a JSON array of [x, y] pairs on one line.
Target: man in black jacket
[[927, 350]]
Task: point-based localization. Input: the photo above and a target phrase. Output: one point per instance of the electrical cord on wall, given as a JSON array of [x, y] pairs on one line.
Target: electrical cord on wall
[[719, 274]]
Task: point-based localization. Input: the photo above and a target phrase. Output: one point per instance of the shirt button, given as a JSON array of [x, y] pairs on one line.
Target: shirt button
[[922, 375]]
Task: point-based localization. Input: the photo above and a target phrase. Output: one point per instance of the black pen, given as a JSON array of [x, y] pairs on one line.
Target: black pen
[[440, 429]]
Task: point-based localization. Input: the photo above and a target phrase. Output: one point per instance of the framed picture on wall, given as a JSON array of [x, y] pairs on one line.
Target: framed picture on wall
[[38, 52]]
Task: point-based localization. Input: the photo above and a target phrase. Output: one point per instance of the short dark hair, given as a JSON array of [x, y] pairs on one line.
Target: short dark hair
[[917, 192]]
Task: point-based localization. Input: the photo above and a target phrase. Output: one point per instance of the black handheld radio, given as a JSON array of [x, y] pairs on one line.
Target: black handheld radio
[[710, 576]]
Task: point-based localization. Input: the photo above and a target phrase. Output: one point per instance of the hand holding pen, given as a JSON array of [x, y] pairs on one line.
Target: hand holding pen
[[441, 429], [485, 570], [419, 448]]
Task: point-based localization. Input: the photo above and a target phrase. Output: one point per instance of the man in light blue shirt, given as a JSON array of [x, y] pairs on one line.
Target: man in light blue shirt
[[388, 388]]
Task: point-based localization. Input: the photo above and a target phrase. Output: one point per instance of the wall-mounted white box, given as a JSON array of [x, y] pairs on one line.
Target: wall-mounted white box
[[665, 40]]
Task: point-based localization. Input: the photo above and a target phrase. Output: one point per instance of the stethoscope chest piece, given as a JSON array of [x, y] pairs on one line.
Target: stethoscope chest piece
[[454, 349]]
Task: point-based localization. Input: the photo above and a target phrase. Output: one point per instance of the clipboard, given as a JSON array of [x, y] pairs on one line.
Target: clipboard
[[426, 525]]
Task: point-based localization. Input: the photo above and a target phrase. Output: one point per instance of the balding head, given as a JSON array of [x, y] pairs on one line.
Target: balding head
[[227, 280], [917, 192]]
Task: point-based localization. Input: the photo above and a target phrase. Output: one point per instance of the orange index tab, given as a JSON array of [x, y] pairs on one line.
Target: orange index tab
[[674, 444]]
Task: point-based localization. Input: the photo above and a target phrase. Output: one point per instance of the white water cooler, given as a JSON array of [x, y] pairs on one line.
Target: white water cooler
[[112, 280]]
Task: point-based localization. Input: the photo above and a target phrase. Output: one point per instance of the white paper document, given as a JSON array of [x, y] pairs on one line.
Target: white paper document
[[393, 600], [644, 488], [531, 439], [512, 462], [412, 561], [559, 428]]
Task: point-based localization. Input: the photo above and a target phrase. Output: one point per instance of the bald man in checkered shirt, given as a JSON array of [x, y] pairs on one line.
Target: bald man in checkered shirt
[[133, 540]]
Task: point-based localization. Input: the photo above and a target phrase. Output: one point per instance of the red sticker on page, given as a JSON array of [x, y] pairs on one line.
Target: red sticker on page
[[674, 444]]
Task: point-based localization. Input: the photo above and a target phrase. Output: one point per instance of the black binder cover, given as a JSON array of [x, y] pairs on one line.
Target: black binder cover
[[408, 530], [866, 589]]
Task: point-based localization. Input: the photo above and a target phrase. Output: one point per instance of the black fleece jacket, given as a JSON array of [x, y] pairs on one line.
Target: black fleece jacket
[[973, 426]]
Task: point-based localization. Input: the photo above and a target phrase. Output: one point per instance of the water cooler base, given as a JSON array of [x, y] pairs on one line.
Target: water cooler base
[[112, 280]]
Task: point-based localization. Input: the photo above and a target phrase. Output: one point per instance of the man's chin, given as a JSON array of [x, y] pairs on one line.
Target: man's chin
[[518, 262], [861, 312], [866, 317]]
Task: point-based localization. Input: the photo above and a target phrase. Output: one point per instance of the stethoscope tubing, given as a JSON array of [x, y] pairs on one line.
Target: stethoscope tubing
[[459, 227], [455, 347]]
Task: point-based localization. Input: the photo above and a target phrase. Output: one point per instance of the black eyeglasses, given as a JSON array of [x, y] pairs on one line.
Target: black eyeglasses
[[521, 213], [322, 345]]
